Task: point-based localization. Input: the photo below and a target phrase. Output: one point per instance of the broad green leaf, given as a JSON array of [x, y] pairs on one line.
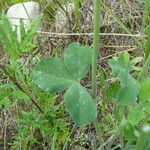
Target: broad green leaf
[[144, 94], [80, 105], [128, 93], [143, 143], [78, 60], [55, 75], [51, 75], [135, 116]]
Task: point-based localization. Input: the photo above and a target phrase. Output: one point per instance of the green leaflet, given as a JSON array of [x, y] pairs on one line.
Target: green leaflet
[[128, 93], [77, 60], [135, 116], [56, 75], [121, 67], [80, 104], [51, 75]]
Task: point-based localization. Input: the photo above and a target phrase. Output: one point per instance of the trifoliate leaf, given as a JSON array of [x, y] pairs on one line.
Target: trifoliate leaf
[[55, 75], [121, 67]]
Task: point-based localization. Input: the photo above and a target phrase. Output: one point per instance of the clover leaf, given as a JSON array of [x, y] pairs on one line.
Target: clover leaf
[[59, 74]]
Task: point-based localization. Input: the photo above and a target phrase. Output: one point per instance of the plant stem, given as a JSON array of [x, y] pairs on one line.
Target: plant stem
[[95, 45], [13, 79], [95, 57], [145, 68]]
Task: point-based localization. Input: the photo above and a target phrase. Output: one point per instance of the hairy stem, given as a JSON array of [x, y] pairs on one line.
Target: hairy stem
[[95, 57], [95, 45]]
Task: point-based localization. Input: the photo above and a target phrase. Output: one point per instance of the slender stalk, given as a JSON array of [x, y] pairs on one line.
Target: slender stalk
[[95, 45], [96, 38], [77, 5], [145, 68]]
